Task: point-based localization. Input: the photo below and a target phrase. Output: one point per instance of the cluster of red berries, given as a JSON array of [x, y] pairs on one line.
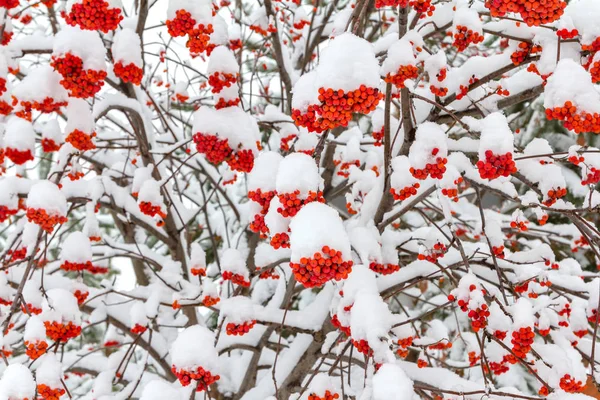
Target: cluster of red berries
[[403, 344], [280, 240], [94, 15], [151, 210], [464, 90], [384, 269], [423, 7], [129, 73], [16, 255], [520, 225], [496, 166], [578, 121], [391, 3], [138, 329], [78, 81], [220, 80], [478, 316], [498, 368], [267, 274], [326, 396], [81, 296], [261, 31], [570, 384], [9, 3], [222, 103], [436, 171], [438, 251], [239, 329], [47, 106], [291, 204], [336, 108], [464, 36], [47, 222], [73, 266], [49, 145], [404, 72], [345, 166], [524, 50], [452, 193], [241, 160], [47, 393], [321, 267], [6, 212], [594, 70], [209, 301], [378, 137], [335, 321], [593, 177], [19, 157], [60, 332], [181, 25], [259, 226], [566, 34], [203, 377], [214, 149], [263, 199], [238, 279], [198, 40], [522, 341], [555, 194], [362, 346], [534, 13], [31, 308], [498, 251], [284, 144], [36, 349]]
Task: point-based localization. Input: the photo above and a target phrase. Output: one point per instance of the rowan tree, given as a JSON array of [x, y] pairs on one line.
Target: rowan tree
[[299, 199]]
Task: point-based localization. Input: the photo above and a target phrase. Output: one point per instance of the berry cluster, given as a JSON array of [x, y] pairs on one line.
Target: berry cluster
[[81, 296], [138, 329], [378, 137], [72, 266], [152, 210], [198, 40], [6, 212], [47, 106], [60, 332], [81, 140], [464, 36], [534, 13], [321, 267], [181, 25], [522, 341], [280, 240], [577, 121], [362, 346], [423, 7], [49, 145], [291, 204], [498, 251], [47, 393], [384, 269], [436, 171], [404, 72], [478, 315], [94, 15], [19, 157], [129, 73], [335, 321], [47, 222], [203, 377], [36, 349], [220, 80], [214, 149], [498, 368], [593, 177], [241, 160], [520, 225], [209, 301], [222, 103], [235, 278], [267, 274], [496, 166], [239, 329], [465, 89], [524, 50], [566, 34], [326, 396], [432, 255], [336, 108], [78, 81], [404, 344], [555, 194], [570, 384]]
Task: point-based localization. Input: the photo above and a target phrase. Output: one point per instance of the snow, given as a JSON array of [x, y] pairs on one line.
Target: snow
[[19, 135], [428, 137], [495, 136], [17, 383], [233, 261], [231, 123], [84, 44], [60, 306], [222, 60], [237, 310], [49, 372], [127, 47], [51, 130], [264, 172], [46, 195], [150, 192], [571, 82], [41, 83], [399, 54], [391, 383], [160, 390], [194, 347], [298, 171], [201, 10], [76, 248], [79, 116], [317, 225]]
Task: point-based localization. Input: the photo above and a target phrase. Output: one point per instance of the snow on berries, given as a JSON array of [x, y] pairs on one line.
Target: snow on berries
[[76, 253], [127, 56], [194, 19], [262, 189], [40, 90], [17, 383], [19, 141], [80, 127], [320, 246], [400, 64], [403, 185], [323, 387], [194, 358], [345, 82], [227, 135], [298, 183], [470, 298], [522, 331], [61, 315], [391, 381], [437, 69], [571, 97], [94, 15], [48, 376], [467, 28], [46, 205], [234, 269], [150, 201], [34, 338], [496, 148], [52, 136], [222, 70], [238, 313], [79, 57], [197, 262], [428, 153]]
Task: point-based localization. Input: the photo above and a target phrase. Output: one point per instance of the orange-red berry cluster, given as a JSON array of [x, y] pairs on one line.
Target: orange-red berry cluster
[[524, 50], [151, 210], [335, 321], [17, 156], [71, 266], [555, 194], [498, 251], [326, 396], [578, 121], [566, 34], [81, 296], [391, 3], [464, 36], [533, 12], [321, 267], [362, 346], [208, 301], [214, 149], [235, 278], [6, 212], [336, 108], [9, 3], [384, 269], [138, 329], [222, 103], [436, 171], [47, 222], [522, 341], [129, 73], [498, 368], [198, 41], [378, 136], [182, 24], [570, 384], [220, 80], [280, 240], [291, 204], [438, 251], [78, 81], [404, 72], [47, 106], [496, 166], [520, 225], [47, 393], [593, 177], [239, 329], [60, 332], [202, 377], [423, 6], [36, 349], [49, 145], [94, 15]]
